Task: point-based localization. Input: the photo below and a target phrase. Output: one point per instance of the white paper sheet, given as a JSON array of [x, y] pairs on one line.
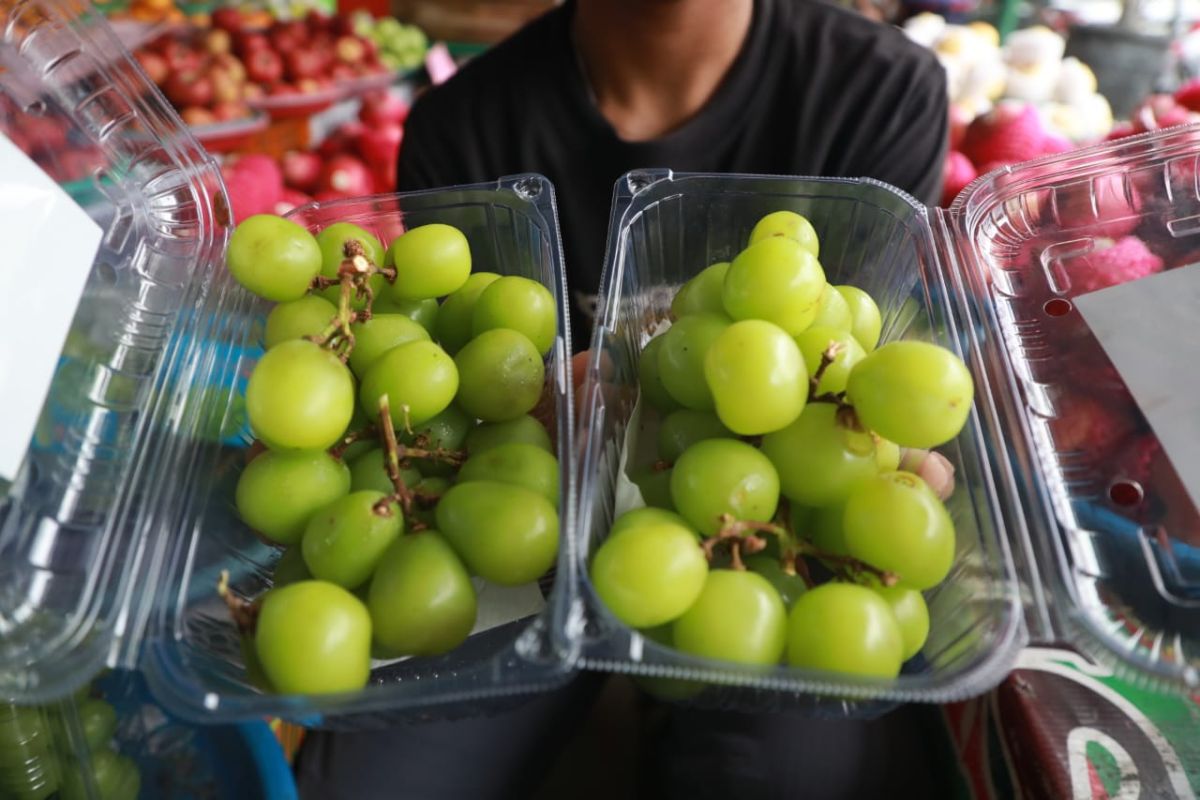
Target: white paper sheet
[[1150, 329], [49, 246]]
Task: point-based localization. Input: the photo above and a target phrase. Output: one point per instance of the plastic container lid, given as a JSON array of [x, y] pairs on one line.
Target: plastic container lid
[[78, 534]]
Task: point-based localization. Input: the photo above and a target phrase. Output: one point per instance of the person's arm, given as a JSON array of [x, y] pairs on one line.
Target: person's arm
[[912, 147]]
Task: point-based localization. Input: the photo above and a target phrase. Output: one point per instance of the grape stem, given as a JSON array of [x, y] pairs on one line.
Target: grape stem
[[391, 459], [745, 535], [732, 536], [827, 358], [353, 276], [662, 465], [362, 434], [243, 612]]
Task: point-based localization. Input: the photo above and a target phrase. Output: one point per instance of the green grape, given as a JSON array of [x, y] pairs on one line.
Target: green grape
[[818, 459], [369, 472], [840, 627], [789, 225], [834, 311], [506, 534], [865, 320], [273, 257], [279, 491], [290, 568], [299, 397], [887, 454], [655, 486], [666, 688], [380, 334], [296, 319], [650, 574], [430, 260], [448, 430], [826, 530], [345, 540], [103, 767], [421, 599], [896, 523], [455, 317], [28, 765], [650, 379], [426, 514], [815, 341], [683, 428], [915, 393], [313, 637], [723, 476], [332, 241], [789, 586], [418, 378], [517, 304], [757, 377], [128, 780], [99, 722], [912, 615], [643, 516], [681, 359], [519, 464], [737, 617], [775, 280], [522, 430], [702, 294], [502, 375], [422, 312]]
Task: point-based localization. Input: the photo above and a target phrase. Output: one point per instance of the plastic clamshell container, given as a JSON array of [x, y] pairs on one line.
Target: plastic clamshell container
[[1047, 548], [193, 656], [666, 228], [83, 525]]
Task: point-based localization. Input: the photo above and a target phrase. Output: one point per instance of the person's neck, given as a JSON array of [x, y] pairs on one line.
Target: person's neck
[[653, 64]]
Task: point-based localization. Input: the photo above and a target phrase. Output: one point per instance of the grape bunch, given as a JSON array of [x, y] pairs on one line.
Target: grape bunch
[[399, 457], [795, 513], [37, 761]]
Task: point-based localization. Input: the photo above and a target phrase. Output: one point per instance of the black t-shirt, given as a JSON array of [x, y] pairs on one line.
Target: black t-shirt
[[816, 90]]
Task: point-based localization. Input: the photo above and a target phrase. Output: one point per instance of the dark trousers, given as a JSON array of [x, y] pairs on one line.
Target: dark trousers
[[683, 753]]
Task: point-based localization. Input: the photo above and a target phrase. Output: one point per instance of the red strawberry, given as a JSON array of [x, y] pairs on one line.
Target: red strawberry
[[1121, 261], [1011, 133], [959, 172]]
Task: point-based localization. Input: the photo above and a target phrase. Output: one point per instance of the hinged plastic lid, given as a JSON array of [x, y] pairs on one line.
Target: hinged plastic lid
[[74, 552], [1082, 274]]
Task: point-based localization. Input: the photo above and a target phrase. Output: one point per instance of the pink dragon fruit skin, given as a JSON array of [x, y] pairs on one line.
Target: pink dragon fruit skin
[[959, 172], [1124, 260]]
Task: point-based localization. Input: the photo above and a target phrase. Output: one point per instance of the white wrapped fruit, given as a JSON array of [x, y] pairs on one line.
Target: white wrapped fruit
[[1076, 82], [1033, 83], [1033, 46]]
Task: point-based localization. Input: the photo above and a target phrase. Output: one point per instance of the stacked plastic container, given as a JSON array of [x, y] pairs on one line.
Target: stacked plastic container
[[114, 534]]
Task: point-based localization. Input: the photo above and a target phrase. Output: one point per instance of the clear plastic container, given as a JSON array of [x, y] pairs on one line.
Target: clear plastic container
[[1049, 544], [192, 654], [114, 533]]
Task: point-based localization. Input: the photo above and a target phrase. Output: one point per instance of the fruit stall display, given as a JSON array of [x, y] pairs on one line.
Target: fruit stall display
[[358, 158], [831, 449], [220, 73]]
